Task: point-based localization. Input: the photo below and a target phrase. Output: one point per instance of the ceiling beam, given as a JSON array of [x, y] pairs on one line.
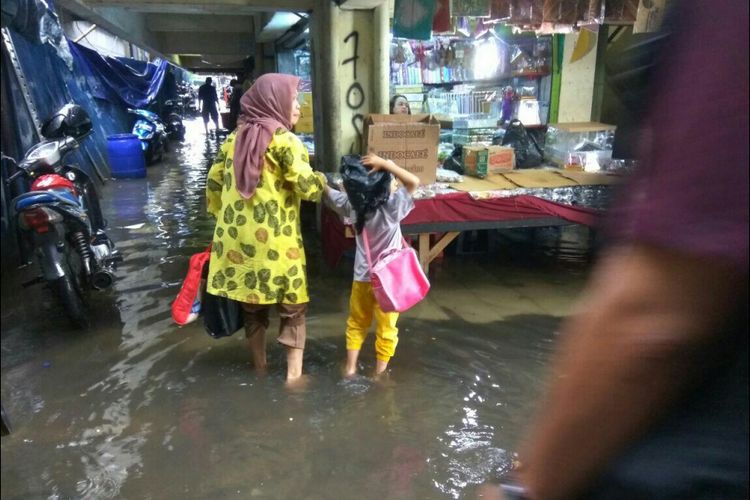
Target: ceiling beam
[[229, 7], [193, 23], [207, 43], [130, 26]]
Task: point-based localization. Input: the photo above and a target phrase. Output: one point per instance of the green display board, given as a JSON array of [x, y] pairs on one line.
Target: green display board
[[413, 19]]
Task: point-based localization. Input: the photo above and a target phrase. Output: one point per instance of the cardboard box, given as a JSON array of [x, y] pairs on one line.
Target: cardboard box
[[411, 141], [480, 160], [474, 159], [500, 159]]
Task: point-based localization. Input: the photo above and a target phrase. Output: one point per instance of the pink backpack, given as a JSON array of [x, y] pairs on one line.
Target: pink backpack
[[398, 280]]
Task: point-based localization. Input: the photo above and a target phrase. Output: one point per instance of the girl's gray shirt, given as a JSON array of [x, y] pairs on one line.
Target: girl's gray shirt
[[383, 227]]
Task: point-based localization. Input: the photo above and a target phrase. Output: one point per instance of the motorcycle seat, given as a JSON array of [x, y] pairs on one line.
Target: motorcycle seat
[[39, 197]]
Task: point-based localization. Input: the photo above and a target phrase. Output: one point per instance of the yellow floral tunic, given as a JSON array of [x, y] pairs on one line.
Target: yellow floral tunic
[[257, 254]]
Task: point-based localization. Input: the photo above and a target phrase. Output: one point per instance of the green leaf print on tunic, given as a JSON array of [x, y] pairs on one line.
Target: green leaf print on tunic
[[228, 215], [251, 280], [248, 250], [259, 214]]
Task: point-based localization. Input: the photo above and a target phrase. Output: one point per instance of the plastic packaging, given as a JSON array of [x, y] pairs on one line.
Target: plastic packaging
[[526, 12], [594, 12], [620, 11], [562, 11]]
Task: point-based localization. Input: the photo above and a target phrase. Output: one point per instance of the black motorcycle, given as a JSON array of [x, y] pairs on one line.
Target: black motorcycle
[[152, 132], [59, 217], [171, 115]]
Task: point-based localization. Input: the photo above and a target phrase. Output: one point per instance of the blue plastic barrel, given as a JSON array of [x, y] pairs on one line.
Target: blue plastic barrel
[[126, 158]]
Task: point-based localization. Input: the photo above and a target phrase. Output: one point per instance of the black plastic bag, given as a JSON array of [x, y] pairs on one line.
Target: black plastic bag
[[528, 154], [366, 191], [222, 316], [454, 162]]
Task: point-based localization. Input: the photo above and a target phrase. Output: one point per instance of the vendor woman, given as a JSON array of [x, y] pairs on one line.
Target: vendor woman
[[400, 105]]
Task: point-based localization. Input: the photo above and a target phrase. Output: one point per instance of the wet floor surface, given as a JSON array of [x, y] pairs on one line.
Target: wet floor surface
[[139, 408]]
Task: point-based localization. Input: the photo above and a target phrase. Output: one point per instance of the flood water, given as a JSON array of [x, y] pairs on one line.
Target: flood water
[[139, 408]]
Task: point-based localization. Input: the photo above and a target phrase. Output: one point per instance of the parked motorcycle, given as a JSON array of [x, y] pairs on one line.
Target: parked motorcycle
[[59, 218], [189, 99], [172, 116], [152, 132]]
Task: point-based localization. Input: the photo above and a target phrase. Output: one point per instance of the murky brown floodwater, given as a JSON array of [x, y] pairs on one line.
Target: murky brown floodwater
[[138, 408]]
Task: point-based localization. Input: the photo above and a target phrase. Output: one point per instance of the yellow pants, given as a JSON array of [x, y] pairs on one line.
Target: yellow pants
[[362, 307]]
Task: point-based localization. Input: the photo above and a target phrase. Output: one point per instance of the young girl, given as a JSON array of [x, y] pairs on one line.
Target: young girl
[[378, 209]]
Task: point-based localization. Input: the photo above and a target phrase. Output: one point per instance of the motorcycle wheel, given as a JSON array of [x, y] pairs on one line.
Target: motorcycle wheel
[[70, 294]]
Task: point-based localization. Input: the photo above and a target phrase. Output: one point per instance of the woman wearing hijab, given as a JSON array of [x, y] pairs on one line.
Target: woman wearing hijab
[[254, 190]]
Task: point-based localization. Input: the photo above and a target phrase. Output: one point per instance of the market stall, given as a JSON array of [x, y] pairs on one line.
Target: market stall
[[532, 198]]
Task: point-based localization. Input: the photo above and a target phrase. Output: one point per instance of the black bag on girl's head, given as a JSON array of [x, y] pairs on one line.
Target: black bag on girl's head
[[366, 191]]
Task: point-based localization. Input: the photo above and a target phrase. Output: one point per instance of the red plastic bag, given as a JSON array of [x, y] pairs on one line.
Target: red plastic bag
[[187, 306]]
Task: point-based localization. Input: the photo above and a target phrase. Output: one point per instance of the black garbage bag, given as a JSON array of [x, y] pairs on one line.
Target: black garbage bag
[[453, 162], [366, 191], [528, 153]]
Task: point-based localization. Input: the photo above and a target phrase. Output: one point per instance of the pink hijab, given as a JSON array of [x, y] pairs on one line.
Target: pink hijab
[[265, 107]]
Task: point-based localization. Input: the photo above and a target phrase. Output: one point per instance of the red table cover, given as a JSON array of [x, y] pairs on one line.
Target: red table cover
[[458, 207]]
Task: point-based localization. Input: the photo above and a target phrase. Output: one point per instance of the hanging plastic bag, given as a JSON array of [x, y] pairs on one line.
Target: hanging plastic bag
[[528, 154]]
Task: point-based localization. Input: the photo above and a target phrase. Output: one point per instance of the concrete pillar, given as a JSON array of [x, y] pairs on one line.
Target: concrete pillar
[[326, 93], [350, 76], [577, 83], [382, 60]]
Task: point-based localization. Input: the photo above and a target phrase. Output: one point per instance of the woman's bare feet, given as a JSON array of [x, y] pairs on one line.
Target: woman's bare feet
[[298, 384]]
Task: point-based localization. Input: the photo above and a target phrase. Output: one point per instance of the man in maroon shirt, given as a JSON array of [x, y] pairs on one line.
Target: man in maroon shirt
[[651, 394]]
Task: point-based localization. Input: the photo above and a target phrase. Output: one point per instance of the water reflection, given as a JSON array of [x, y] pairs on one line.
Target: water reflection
[[139, 408]]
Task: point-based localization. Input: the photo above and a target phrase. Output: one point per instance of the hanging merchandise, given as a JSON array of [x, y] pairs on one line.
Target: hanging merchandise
[[562, 11], [441, 23], [526, 12], [462, 26], [413, 19], [471, 8], [500, 10], [507, 106], [584, 44], [619, 11], [594, 12]]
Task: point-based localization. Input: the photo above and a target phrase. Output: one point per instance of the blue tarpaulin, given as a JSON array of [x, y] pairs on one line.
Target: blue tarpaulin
[[51, 85], [119, 80]]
